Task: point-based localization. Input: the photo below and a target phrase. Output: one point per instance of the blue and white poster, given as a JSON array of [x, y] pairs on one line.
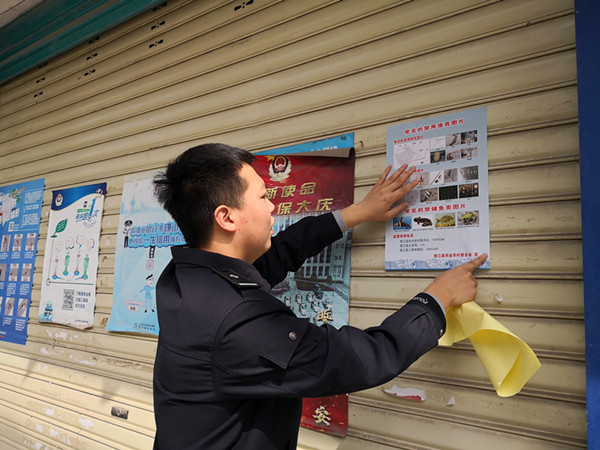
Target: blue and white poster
[[145, 235], [71, 256], [20, 214], [447, 221]]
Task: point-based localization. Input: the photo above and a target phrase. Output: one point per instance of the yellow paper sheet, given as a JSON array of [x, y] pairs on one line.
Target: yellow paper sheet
[[508, 361]]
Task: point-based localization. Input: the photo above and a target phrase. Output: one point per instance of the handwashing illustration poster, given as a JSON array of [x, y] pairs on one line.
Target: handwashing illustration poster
[[71, 257]]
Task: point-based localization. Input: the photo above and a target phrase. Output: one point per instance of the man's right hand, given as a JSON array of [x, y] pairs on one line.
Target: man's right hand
[[458, 285]]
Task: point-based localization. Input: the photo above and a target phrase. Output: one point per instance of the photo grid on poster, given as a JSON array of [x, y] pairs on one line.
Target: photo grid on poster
[[447, 220], [20, 216]]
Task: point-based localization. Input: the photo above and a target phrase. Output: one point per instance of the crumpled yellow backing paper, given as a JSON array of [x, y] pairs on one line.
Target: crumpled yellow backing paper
[[508, 361]]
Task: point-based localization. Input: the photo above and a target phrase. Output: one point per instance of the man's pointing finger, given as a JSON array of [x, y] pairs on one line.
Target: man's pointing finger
[[475, 263]]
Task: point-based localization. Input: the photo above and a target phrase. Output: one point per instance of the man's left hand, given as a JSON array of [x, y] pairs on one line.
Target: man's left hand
[[380, 203]]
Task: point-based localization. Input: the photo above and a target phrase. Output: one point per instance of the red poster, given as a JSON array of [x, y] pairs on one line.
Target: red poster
[[307, 185], [300, 186]]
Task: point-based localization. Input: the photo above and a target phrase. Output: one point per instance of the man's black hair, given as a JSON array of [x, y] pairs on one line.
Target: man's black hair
[[197, 182]]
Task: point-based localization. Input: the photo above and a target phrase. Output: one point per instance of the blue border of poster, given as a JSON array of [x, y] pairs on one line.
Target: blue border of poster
[[337, 142], [20, 215]]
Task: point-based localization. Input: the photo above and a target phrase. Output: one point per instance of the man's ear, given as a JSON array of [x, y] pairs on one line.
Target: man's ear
[[223, 218]]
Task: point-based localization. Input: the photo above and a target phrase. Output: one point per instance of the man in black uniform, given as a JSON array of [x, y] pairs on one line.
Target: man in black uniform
[[233, 362]]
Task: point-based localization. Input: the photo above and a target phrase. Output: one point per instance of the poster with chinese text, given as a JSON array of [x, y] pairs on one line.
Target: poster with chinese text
[[20, 214], [300, 186], [447, 220], [71, 256], [145, 234]]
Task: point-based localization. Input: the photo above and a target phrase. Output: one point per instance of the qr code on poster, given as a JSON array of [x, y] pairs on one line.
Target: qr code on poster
[[68, 298]]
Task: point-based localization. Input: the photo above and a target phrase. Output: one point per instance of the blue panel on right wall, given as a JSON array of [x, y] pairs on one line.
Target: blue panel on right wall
[[587, 29]]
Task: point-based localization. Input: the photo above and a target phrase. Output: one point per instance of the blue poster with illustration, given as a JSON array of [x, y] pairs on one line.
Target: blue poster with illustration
[[20, 214], [71, 256], [145, 234]]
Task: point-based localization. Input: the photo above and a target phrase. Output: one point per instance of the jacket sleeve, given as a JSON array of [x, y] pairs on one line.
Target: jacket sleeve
[[292, 246], [262, 351]]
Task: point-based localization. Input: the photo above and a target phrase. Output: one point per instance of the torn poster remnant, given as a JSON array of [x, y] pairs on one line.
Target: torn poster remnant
[[412, 394]]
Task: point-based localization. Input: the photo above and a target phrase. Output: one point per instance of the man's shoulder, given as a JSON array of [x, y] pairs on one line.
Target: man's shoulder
[[201, 281], [235, 278], [208, 284]]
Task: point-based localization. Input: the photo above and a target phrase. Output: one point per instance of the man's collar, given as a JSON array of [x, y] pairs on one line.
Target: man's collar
[[202, 258]]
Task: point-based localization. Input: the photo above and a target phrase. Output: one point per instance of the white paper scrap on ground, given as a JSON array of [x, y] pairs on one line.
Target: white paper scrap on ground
[[412, 394]]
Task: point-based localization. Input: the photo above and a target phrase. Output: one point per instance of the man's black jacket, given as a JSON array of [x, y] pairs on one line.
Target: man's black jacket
[[233, 362]]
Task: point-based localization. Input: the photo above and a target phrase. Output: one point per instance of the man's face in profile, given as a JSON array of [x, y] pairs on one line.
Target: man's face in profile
[[255, 221]]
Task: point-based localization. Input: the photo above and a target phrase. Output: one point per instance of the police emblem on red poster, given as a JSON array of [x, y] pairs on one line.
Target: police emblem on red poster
[[280, 168]]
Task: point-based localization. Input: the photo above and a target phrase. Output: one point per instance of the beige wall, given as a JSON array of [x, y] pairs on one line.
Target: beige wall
[[277, 73]]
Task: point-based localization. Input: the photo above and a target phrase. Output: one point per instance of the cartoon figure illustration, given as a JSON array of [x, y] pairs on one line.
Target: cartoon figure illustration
[[150, 303], [58, 247], [150, 262], [48, 312], [80, 241], [70, 245], [126, 231], [86, 261]]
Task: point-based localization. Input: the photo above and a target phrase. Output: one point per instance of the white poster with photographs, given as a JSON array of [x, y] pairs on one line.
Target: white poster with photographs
[[447, 220]]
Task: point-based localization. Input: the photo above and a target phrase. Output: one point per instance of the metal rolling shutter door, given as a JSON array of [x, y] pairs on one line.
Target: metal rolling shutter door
[[268, 73]]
